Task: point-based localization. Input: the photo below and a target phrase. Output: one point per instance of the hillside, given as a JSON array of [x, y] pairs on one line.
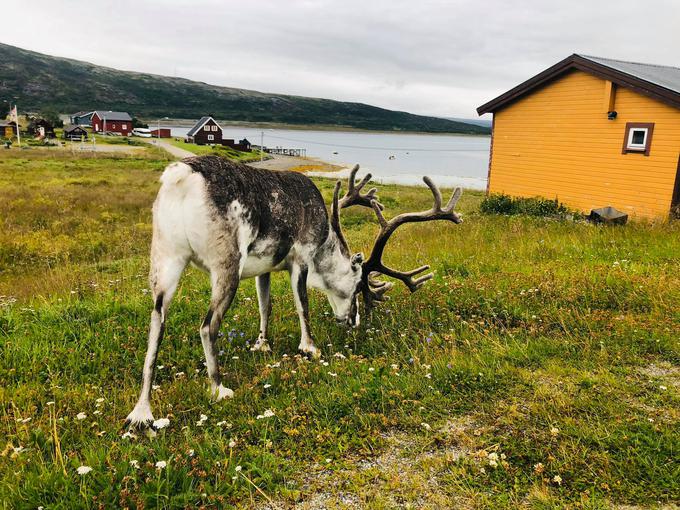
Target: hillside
[[40, 81]]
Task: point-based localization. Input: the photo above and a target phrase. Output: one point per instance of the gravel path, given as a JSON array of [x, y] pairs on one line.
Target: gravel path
[[175, 151]]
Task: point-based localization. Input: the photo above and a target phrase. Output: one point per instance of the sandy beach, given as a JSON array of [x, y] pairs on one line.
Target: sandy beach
[[296, 164]]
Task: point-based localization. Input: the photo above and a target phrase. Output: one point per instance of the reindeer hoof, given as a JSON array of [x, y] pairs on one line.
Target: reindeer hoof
[[220, 393], [139, 419], [261, 345], [311, 351]]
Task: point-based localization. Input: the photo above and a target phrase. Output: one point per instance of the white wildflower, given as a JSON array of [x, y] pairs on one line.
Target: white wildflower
[[238, 468], [128, 435], [554, 431], [371, 369], [266, 386], [161, 423], [161, 464], [557, 479], [81, 416], [50, 403], [202, 420], [663, 388], [99, 400], [232, 443], [83, 470], [332, 374], [426, 426], [134, 464]]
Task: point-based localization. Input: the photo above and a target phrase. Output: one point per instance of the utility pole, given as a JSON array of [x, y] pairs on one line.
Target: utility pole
[[261, 146]]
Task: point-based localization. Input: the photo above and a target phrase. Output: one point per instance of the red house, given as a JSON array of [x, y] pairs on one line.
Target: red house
[[205, 132], [111, 122]]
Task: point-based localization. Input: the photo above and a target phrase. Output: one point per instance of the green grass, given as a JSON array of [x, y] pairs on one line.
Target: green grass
[[219, 150], [541, 346]]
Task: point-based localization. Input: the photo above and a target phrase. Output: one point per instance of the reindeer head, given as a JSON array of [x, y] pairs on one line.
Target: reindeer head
[[364, 273]]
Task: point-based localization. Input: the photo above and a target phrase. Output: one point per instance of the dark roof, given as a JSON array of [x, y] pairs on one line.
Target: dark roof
[[658, 82], [73, 128], [82, 114], [112, 115], [199, 125]]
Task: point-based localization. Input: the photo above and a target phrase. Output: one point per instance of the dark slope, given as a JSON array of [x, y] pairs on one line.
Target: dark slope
[[40, 81]]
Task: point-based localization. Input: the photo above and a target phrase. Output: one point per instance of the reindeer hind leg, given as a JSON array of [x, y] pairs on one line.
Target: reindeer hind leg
[[225, 279], [165, 275]]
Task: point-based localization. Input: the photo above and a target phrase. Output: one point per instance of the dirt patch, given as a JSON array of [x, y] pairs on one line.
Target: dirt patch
[[668, 374]]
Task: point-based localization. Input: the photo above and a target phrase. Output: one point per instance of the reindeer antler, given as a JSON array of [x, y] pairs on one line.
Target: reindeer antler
[[352, 197], [374, 290]]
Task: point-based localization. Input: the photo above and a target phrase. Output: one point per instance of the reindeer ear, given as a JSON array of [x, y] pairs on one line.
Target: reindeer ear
[[357, 260]]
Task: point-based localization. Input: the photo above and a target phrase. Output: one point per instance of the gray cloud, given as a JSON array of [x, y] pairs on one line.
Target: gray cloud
[[431, 56]]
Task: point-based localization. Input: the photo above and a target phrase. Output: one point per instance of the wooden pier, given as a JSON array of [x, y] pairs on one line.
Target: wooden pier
[[283, 151]]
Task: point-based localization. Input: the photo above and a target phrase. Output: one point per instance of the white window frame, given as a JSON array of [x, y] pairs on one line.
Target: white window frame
[[211, 138], [125, 126], [631, 146], [214, 128], [206, 128]]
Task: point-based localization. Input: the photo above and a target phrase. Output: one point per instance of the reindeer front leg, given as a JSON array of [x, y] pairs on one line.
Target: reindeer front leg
[[264, 300], [298, 280]]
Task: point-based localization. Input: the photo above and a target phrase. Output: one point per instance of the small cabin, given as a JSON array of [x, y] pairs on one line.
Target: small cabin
[[8, 129], [75, 133], [591, 132], [161, 133], [205, 132], [40, 128], [111, 122]]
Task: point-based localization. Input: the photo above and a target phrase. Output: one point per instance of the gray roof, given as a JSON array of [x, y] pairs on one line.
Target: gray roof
[[664, 76], [199, 125], [113, 115]]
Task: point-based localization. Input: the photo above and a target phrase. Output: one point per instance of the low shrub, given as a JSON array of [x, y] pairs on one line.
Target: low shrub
[[499, 203]]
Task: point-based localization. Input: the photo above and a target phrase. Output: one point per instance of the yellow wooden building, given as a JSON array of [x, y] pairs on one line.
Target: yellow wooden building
[[591, 132]]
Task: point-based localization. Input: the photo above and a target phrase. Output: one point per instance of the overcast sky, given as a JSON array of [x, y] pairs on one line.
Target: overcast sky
[[431, 57]]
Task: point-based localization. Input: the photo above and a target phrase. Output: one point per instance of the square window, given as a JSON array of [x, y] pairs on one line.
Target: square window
[[638, 138], [211, 137], [214, 128], [206, 128]]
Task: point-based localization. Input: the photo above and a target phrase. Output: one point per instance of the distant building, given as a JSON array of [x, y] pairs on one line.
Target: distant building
[[591, 132], [75, 133], [164, 133], [41, 128], [81, 118], [111, 122], [8, 129], [206, 131], [242, 145]]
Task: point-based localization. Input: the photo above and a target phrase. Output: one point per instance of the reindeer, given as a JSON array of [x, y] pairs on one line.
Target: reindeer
[[237, 222]]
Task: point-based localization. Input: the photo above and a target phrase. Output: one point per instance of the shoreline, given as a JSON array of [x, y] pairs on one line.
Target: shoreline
[[303, 127]]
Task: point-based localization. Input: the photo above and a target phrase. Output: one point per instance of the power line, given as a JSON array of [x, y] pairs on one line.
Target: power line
[[373, 148]]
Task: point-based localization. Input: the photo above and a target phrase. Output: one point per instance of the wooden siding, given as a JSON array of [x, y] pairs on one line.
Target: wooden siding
[[558, 143]]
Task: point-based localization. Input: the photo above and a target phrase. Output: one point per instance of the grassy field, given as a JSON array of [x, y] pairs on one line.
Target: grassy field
[[539, 369]]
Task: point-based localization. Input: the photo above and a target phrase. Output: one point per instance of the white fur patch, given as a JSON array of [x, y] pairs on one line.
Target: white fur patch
[[175, 172]]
